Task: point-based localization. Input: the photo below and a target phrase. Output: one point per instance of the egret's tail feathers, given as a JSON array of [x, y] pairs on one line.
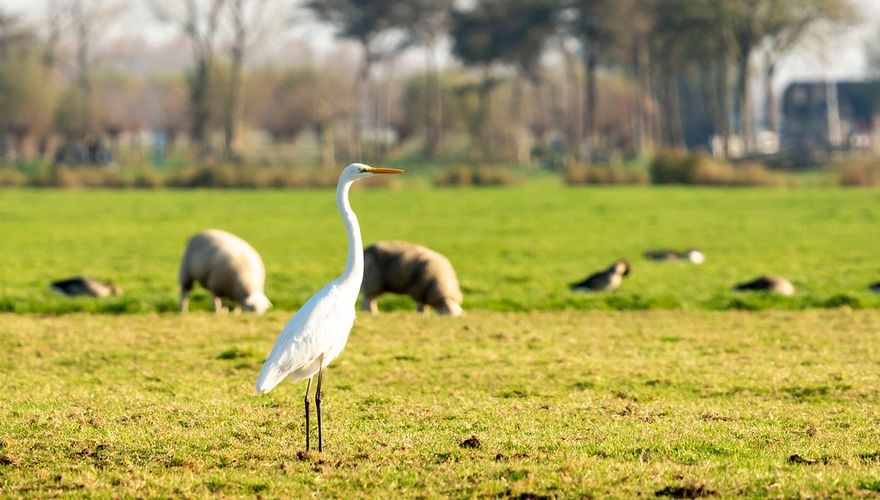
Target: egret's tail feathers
[[270, 376]]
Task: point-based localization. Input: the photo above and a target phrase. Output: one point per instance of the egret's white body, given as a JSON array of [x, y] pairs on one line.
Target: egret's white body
[[317, 333]]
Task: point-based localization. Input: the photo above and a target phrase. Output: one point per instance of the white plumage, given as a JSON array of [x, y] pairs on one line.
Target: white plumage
[[317, 333]]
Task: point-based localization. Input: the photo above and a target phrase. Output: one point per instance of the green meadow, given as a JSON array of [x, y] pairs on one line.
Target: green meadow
[[670, 386], [514, 249], [551, 404]]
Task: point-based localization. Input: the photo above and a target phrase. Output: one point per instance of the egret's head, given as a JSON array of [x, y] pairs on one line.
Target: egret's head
[[359, 170]]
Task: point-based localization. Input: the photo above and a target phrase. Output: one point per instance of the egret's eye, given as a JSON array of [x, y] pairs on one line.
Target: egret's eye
[[363, 169]]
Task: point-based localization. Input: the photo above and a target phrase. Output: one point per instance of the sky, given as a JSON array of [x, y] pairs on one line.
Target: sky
[[840, 56]]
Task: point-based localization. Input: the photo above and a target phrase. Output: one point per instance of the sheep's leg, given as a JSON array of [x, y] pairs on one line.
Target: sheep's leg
[[185, 288], [368, 304], [218, 305], [318, 406], [421, 308], [306, 399]]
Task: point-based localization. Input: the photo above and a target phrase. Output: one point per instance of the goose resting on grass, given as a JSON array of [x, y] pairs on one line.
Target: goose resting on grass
[[83, 285], [773, 284], [608, 279], [692, 255]]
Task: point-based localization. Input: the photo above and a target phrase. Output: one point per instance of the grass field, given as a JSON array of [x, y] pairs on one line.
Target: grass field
[[527, 405], [535, 393], [515, 249]]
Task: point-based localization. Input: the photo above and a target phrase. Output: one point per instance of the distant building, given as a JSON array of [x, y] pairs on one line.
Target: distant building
[[819, 117]]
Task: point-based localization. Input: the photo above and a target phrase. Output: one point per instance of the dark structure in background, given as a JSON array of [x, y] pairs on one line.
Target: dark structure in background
[[819, 118]]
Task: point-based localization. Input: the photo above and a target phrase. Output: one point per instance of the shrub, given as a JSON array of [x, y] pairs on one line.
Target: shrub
[[861, 171], [147, 179], [78, 177], [600, 174], [228, 176], [11, 177], [673, 167], [678, 167], [475, 176]]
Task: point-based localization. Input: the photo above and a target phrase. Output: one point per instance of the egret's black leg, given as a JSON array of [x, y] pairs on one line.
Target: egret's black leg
[[318, 406], [309, 386]]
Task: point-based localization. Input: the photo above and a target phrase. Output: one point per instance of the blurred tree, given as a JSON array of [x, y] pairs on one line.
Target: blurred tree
[[251, 21], [598, 25], [786, 23], [25, 102], [426, 22], [166, 108], [304, 99], [377, 26], [512, 32], [122, 107], [199, 22], [90, 20]]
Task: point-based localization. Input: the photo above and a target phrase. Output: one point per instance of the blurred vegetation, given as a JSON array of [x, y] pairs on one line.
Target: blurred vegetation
[[625, 80]]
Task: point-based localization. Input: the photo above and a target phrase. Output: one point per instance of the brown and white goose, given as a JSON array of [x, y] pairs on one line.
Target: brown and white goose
[[692, 255], [608, 279], [83, 285], [772, 284]]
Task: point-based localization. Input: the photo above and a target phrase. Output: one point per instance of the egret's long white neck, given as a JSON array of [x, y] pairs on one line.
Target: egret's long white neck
[[354, 267]]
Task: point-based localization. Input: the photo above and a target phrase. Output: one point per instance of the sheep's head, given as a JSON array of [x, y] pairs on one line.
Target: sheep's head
[[256, 302]]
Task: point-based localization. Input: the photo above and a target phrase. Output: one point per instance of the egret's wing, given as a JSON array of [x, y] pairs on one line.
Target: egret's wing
[[303, 339]]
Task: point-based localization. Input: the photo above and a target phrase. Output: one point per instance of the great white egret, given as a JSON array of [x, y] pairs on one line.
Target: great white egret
[[317, 333]]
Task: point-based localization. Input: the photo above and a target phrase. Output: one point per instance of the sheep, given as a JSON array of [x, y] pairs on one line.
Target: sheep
[[83, 285], [692, 255], [773, 284], [407, 268], [608, 279], [228, 267]]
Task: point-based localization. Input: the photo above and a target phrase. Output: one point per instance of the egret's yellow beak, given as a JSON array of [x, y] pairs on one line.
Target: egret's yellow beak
[[375, 170]]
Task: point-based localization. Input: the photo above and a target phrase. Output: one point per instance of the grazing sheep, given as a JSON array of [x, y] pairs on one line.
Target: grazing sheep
[[83, 285], [228, 267], [407, 268], [773, 284], [692, 255], [608, 279]]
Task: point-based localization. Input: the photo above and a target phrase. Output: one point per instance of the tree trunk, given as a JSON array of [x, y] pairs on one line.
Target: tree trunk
[[363, 86], [645, 134], [743, 99], [198, 97], [328, 149], [233, 102], [770, 106], [574, 104], [723, 96], [433, 106], [672, 109], [709, 83], [592, 101], [84, 82]]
